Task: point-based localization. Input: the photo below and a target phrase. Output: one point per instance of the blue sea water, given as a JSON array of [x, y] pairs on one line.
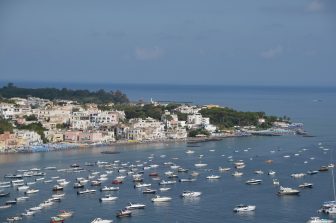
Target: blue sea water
[[314, 106]]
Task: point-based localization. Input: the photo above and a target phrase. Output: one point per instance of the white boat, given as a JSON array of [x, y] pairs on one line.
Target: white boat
[[224, 169], [18, 199], [65, 214], [253, 182], [13, 219], [201, 164], [190, 151], [132, 206], [28, 213], [259, 172], [58, 195], [288, 191], [213, 177], [306, 185], [191, 194], [142, 185], [31, 191], [37, 208], [87, 191], [108, 198], [276, 182], [271, 173], [23, 188], [46, 204], [319, 220], [169, 182], [5, 206], [105, 188], [244, 208], [164, 188], [298, 175], [161, 199], [99, 220], [237, 174]]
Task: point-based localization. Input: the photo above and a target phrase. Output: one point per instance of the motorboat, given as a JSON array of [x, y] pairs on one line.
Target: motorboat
[[164, 188], [187, 180], [306, 185], [191, 194], [117, 181], [78, 185], [4, 194], [276, 182], [87, 191], [288, 191], [99, 220], [18, 199], [149, 191], [31, 191], [259, 172], [244, 208], [312, 172], [105, 188], [194, 174], [5, 206], [124, 213], [56, 220], [57, 188], [323, 169], [298, 175], [95, 183], [213, 177], [28, 213], [190, 151], [37, 208], [45, 204], [253, 182], [13, 219], [58, 195], [200, 165], [161, 199], [65, 214], [108, 198], [271, 173], [139, 185], [131, 206], [237, 174], [223, 169], [169, 182], [319, 220], [11, 202], [23, 188]]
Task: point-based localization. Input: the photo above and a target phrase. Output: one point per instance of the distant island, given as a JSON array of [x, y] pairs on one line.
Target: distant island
[[46, 119]]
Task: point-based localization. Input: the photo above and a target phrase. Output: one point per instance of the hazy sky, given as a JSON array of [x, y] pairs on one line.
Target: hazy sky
[[225, 42]]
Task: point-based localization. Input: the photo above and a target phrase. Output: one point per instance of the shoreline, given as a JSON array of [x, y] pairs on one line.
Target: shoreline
[[69, 146]]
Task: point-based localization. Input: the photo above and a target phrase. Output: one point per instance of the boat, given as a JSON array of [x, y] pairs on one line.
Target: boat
[[4, 194], [14, 218], [105, 188], [58, 195], [139, 185], [56, 220], [271, 173], [259, 172], [23, 188], [319, 220], [21, 198], [224, 169], [244, 208], [117, 181], [237, 174], [276, 182], [78, 185], [161, 199], [5, 206], [190, 151], [253, 182], [31, 191], [312, 172], [99, 220], [169, 182], [298, 175], [213, 177], [11, 202], [87, 191], [149, 191], [124, 213], [306, 185], [108, 198], [191, 194], [201, 165], [65, 214], [132, 206], [95, 183], [187, 180], [323, 169], [28, 213], [288, 191], [57, 188], [164, 188], [37, 208]]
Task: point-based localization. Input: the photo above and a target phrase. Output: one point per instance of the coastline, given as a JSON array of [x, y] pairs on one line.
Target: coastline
[[70, 146]]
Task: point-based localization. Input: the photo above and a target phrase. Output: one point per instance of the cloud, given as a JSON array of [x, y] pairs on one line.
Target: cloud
[[148, 53], [315, 6], [273, 52]]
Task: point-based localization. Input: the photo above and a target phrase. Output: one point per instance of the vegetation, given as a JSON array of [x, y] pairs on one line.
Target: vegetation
[[5, 126], [194, 133], [228, 118], [82, 96], [30, 117], [36, 127]]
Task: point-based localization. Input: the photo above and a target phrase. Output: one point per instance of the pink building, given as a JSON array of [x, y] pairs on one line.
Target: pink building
[[90, 137], [71, 136]]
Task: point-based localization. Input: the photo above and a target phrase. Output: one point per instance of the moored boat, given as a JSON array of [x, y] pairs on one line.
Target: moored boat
[[244, 208], [288, 191], [124, 213]]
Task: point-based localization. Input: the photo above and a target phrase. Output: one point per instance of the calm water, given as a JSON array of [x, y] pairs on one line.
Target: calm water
[[219, 196]]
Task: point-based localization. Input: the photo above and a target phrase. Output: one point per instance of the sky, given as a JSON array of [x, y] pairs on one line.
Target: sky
[[221, 42]]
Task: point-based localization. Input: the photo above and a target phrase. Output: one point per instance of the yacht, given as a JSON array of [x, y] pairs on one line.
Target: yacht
[[149, 191], [86, 191], [237, 174], [169, 182], [319, 220], [131, 206], [191, 194], [224, 169], [161, 199], [244, 208], [57, 188], [23, 188], [306, 185], [141, 185], [99, 220], [31, 191], [288, 191]]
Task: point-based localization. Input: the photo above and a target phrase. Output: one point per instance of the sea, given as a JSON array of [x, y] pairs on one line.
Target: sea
[[313, 106]]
